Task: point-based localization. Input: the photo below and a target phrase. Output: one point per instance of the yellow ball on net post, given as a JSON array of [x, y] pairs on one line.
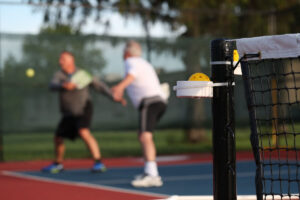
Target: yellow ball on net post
[[199, 77], [30, 72]]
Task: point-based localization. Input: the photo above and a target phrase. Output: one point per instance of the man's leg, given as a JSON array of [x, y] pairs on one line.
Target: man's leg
[[59, 149], [57, 165], [148, 146], [149, 151], [151, 177], [149, 115], [91, 143]]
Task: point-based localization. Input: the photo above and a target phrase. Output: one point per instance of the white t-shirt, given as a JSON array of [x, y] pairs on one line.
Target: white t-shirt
[[146, 83]]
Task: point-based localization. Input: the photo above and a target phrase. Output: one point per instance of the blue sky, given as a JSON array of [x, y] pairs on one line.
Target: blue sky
[[22, 18], [19, 19]]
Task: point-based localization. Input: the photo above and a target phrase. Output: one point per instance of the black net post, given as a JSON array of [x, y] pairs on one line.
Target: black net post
[[224, 155]]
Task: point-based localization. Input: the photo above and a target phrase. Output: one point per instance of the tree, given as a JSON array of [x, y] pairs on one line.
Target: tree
[[230, 18], [212, 18], [41, 52]]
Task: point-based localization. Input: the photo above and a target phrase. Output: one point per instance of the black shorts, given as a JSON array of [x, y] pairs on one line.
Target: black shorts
[[149, 114], [69, 126]]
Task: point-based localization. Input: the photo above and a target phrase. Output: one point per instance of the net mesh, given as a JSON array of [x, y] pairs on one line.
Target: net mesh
[[273, 93]]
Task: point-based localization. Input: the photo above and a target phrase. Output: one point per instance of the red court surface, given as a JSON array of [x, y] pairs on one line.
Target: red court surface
[[22, 188], [13, 188]]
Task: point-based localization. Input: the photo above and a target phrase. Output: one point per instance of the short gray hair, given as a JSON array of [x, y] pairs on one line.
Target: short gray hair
[[133, 48]]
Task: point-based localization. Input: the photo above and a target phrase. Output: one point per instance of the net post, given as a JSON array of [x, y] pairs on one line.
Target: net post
[[224, 154]]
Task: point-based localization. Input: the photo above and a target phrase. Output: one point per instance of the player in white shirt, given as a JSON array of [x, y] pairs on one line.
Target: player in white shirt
[[143, 88]]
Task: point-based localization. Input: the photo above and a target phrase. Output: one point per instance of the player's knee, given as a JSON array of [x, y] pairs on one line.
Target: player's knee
[[58, 140], [84, 133], [145, 137]]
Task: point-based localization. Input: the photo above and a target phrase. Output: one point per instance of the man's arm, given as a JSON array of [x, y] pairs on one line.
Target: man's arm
[[118, 90], [100, 86], [103, 88], [56, 84]]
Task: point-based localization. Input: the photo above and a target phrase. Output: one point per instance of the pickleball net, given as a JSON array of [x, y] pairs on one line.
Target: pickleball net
[[270, 67], [271, 77]]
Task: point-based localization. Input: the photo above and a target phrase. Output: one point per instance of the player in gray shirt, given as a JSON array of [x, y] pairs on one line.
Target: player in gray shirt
[[76, 108]]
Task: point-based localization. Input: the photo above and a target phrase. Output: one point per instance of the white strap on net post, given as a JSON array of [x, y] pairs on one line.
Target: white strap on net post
[[197, 89], [222, 84], [194, 86]]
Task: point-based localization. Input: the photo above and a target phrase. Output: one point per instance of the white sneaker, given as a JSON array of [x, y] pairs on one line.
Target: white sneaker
[[147, 181], [139, 176]]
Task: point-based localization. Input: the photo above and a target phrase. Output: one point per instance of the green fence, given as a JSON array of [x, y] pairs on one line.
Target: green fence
[[28, 106]]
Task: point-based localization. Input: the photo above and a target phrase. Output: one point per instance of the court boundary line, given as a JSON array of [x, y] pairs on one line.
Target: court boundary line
[[82, 184], [206, 197], [239, 197]]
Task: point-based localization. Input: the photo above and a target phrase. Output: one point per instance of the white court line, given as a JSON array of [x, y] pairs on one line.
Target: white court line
[[121, 181], [239, 197], [82, 184], [165, 179], [175, 197], [209, 177]]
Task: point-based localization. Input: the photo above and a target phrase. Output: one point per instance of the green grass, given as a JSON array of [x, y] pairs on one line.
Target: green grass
[[39, 146]]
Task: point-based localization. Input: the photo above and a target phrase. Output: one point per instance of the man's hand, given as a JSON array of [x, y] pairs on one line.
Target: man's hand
[[123, 102], [69, 86], [117, 92]]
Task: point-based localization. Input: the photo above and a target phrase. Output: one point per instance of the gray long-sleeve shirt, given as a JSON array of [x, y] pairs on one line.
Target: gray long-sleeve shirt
[[72, 102]]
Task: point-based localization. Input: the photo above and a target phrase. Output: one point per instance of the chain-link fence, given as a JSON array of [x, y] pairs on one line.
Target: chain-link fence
[[28, 106]]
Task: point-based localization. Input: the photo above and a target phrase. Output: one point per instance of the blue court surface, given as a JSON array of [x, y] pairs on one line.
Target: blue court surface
[[182, 179]]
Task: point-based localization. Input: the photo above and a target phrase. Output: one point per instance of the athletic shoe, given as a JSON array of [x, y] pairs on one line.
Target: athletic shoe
[[53, 168], [98, 167], [139, 176], [146, 180]]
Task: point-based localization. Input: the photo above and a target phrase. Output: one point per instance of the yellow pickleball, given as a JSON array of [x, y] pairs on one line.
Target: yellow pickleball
[[199, 77], [30, 72], [236, 56]]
